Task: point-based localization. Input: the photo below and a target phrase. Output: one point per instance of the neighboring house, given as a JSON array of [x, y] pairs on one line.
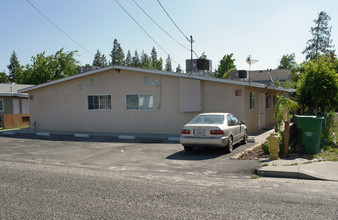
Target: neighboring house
[[261, 76], [83, 69], [12, 101], [122, 99]]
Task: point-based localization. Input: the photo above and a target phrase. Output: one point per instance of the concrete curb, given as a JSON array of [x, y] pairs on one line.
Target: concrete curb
[[126, 137], [82, 135], [174, 139], [287, 174], [8, 133], [144, 138], [300, 168], [47, 134]]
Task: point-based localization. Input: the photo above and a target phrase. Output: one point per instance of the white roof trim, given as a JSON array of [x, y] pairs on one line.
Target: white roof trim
[[14, 95], [233, 82]]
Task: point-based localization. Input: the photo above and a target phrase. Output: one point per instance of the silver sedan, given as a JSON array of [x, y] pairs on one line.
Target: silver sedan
[[213, 129]]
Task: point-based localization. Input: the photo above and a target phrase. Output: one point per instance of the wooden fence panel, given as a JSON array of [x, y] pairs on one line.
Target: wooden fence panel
[[16, 120]]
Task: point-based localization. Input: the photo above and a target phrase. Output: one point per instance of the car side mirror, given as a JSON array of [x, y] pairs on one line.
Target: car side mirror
[[242, 122]]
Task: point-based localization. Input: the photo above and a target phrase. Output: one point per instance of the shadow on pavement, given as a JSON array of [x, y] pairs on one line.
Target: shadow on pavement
[[199, 153]]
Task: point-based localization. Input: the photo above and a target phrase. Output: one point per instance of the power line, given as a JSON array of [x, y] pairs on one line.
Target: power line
[[172, 20], [159, 25], [50, 21], [190, 40], [144, 30]]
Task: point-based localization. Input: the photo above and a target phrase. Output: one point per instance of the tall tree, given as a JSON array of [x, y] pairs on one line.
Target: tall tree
[[168, 66], [103, 61], [128, 61], [99, 59], [159, 64], [117, 54], [13, 66], [45, 68], [153, 58], [227, 63], [145, 61], [317, 87], [136, 60], [321, 42], [3, 77], [63, 64], [287, 61]]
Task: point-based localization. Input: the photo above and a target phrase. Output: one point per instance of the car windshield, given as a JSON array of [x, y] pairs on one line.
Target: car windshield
[[208, 119]]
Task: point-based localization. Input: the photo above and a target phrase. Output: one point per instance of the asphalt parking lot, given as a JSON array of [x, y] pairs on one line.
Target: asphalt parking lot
[[133, 156]]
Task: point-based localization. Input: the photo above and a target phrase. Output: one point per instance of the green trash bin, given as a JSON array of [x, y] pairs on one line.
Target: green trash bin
[[309, 132]]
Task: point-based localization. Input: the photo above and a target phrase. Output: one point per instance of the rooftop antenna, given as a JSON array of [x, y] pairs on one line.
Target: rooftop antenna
[[191, 51], [269, 73], [250, 61]]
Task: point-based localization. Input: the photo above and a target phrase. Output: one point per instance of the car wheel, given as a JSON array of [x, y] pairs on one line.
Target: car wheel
[[230, 146], [188, 148], [245, 139]]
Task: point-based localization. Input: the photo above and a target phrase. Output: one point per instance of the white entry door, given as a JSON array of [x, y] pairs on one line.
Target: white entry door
[[25, 106], [16, 106], [261, 116]]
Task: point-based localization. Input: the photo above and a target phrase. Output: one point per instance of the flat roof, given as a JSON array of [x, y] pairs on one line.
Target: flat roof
[[158, 72]]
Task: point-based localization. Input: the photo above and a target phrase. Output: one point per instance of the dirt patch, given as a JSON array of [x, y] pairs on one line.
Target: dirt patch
[[253, 154]]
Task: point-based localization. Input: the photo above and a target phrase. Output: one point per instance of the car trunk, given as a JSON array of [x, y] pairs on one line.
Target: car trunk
[[201, 130]]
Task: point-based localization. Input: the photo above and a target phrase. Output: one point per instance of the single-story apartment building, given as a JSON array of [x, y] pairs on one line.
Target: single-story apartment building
[[124, 100], [12, 101]]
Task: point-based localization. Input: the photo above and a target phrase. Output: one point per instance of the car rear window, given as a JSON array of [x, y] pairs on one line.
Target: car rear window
[[208, 119]]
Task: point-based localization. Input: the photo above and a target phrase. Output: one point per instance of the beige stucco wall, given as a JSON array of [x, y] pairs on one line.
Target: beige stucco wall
[[252, 115], [220, 97], [64, 106]]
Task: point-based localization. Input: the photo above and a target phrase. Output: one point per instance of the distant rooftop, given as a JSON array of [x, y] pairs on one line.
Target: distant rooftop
[[11, 89], [261, 76]]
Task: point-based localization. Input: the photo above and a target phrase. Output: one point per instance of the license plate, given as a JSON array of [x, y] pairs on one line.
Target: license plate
[[199, 132]]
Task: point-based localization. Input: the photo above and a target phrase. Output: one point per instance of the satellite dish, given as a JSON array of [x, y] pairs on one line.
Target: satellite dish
[[251, 61]]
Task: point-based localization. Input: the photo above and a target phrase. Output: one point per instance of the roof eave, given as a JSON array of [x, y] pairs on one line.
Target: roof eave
[[22, 95], [233, 82]]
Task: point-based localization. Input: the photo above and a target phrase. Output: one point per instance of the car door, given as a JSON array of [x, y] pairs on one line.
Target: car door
[[236, 128]]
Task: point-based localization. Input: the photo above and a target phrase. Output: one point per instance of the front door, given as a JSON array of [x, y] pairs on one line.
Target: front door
[[16, 106], [261, 112]]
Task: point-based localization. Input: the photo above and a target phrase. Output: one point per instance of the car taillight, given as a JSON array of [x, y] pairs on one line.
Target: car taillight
[[185, 131], [216, 132]]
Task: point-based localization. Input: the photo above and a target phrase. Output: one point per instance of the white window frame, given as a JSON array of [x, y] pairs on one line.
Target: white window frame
[[151, 104], [100, 104], [2, 105], [252, 100]]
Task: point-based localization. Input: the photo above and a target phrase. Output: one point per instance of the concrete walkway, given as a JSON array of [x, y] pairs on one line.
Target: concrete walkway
[[298, 168]]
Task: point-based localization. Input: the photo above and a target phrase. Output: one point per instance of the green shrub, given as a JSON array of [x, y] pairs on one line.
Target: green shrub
[[265, 147], [330, 128]]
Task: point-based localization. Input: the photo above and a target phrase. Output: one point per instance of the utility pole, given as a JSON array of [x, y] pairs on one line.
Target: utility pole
[[191, 51]]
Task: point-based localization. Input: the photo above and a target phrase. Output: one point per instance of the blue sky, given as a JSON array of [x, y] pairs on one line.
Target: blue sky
[[265, 29]]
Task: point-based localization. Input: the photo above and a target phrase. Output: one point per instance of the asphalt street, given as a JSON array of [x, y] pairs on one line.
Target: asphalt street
[[69, 178]]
